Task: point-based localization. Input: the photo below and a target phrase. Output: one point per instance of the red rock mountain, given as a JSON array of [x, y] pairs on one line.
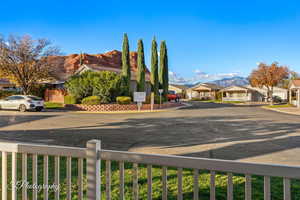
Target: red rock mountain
[[65, 66]]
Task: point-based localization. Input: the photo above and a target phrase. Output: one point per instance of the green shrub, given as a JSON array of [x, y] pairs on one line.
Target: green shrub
[[38, 90], [69, 99], [92, 100], [195, 99], [148, 99], [105, 84], [156, 99], [53, 105], [219, 96], [123, 100]]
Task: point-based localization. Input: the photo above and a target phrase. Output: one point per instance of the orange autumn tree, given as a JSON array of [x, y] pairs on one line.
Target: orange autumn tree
[[24, 61], [268, 76]]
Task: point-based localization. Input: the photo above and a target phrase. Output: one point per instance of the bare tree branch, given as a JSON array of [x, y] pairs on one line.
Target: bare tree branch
[[23, 60]]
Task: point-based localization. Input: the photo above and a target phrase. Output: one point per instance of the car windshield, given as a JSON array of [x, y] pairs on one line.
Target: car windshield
[[35, 98], [171, 92]]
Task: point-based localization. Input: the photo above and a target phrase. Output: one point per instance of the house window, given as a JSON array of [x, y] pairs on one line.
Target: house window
[[241, 94]]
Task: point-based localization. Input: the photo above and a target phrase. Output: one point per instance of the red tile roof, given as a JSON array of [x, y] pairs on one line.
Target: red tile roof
[[295, 83], [66, 66]]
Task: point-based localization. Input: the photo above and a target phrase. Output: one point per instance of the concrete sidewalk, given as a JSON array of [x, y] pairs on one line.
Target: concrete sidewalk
[[287, 110]]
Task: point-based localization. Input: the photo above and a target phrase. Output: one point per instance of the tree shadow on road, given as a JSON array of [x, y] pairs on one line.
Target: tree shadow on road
[[211, 105], [8, 120], [224, 137]]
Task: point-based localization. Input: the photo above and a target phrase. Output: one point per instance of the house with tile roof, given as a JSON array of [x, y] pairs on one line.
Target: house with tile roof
[[205, 91], [66, 66]]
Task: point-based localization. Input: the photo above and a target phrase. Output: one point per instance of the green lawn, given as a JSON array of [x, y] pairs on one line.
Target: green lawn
[[279, 106], [233, 102], [53, 105], [204, 182]]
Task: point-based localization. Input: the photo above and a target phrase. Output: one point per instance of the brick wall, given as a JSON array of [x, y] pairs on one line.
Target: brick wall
[[55, 95], [117, 107]]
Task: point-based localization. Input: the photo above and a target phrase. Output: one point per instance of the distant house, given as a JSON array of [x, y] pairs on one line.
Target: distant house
[[249, 93], [294, 92], [278, 92], [7, 85], [67, 66], [240, 93], [178, 89], [204, 91]]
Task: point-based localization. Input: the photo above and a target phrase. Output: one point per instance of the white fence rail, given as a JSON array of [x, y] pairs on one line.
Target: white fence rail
[[17, 156]]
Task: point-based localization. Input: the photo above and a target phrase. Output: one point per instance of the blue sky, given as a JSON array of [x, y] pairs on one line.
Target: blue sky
[[206, 39]]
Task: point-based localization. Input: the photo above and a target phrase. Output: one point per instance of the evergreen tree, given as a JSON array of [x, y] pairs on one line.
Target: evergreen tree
[[80, 59], [154, 68], [125, 83], [164, 71], [141, 67]]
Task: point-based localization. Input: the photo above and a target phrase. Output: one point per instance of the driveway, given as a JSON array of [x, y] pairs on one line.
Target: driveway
[[246, 133]]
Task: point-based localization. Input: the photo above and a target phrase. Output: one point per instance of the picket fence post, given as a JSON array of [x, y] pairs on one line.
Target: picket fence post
[[93, 169]]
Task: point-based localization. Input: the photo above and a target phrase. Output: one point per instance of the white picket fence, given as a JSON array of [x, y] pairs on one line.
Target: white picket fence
[[94, 154]]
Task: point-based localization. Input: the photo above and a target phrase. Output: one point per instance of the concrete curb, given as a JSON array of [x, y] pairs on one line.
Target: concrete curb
[[280, 111]]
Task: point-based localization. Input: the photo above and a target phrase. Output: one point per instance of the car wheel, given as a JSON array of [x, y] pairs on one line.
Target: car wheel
[[38, 109], [22, 108]]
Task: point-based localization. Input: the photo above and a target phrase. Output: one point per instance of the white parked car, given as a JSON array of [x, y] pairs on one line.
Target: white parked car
[[22, 103]]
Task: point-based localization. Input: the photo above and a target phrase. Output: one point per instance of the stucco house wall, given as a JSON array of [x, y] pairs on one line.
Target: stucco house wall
[[252, 93]]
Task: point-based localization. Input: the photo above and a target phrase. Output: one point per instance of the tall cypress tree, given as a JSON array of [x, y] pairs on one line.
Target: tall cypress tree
[[81, 59], [154, 68], [164, 71], [141, 67], [126, 73]]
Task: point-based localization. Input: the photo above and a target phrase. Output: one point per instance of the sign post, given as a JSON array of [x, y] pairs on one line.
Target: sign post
[[139, 98], [160, 93], [152, 100]]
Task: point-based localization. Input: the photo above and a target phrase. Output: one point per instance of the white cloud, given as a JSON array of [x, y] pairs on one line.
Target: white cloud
[[174, 78], [199, 76]]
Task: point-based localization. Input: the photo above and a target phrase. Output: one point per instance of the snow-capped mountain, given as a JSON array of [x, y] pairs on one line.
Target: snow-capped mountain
[[226, 82]]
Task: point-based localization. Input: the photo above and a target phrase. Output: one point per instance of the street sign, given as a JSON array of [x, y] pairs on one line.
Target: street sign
[[160, 93], [139, 96], [152, 100]]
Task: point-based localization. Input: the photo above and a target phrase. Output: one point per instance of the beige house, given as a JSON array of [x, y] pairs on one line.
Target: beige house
[[294, 92], [204, 91], [6, 85], [240, 93], [278, 92], [249, 93], [178, 89]]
